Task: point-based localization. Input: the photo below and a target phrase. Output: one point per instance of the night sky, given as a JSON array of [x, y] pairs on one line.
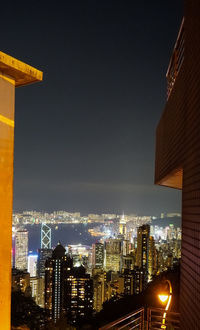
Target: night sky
[[85, 136]]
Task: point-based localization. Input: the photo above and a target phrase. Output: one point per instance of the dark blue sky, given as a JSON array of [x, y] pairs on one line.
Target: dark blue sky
[[85, 136]]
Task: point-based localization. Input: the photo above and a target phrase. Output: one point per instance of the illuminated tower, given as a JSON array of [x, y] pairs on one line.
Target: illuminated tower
[[57, 269], [99, 278], [45, 236], [152, 258], [98, 255], [79, 292], [13, 73], [43, 255], [142, 256], [113, 250], [21, 249], [122, 225], [32, 264]]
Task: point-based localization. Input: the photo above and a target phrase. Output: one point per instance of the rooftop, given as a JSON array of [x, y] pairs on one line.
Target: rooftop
[[22, 73]]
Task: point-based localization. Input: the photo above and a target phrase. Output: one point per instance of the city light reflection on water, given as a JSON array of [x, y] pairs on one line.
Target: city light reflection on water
[[65, 233]]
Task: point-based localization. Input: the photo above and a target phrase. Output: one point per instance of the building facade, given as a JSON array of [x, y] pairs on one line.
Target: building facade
[[57, 270], [98, 255], [43, 255], [99, 279], [178, 154], [68, 289], [32, 264], [38, 290], [79, 294], [152, 258], [142, 256], [113, 251], [21, 249], [45, 236]]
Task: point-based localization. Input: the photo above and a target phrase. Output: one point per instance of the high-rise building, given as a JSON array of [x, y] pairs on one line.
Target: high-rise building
[[43, 255], [37, 290], [126, 247], [68, 289], [128, 262], [45, 236], [152, 258], [32, 264], [98, 255], [99, 277], [122, 226], [79, 294], [113, 251], [138, 281], [21, 249], [57, 270], [142, 256], [128, 282]]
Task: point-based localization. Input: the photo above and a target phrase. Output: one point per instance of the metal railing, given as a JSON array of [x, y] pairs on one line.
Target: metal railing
[[133, 320], [155, 316], [176, 60]]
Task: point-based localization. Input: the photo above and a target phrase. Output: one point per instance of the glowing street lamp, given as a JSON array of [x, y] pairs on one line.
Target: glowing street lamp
[[165, 298]]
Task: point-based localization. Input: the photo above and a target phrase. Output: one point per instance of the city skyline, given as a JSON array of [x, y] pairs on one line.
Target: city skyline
[[89, 141], [99, 165]]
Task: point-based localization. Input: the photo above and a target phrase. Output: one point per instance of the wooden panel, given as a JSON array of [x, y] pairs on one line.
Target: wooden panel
[[178, 147]]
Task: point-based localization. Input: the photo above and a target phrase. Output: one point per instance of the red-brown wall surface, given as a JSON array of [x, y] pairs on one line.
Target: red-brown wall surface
[[178, 162]]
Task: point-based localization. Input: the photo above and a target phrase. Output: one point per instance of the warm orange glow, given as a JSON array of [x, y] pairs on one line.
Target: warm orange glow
[[163, 298], [7, 121], [13, 73], [17, 72], [168, 303], [166, 299]]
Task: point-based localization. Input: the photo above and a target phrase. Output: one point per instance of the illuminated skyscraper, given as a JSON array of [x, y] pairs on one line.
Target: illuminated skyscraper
[[68, 289], [37, 290], [21, 249], [122, 225], [79, 294], [138, 280], [128, 262], [45, 252], [128, 282], [142, 256], [57, 270], [98, 255], [43, 255], [45, 236], [99, 278], [113, 250], [152, 265], [32, 264]]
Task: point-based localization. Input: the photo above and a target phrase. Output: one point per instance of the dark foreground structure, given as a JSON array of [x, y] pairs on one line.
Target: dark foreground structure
[[178, 154]]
